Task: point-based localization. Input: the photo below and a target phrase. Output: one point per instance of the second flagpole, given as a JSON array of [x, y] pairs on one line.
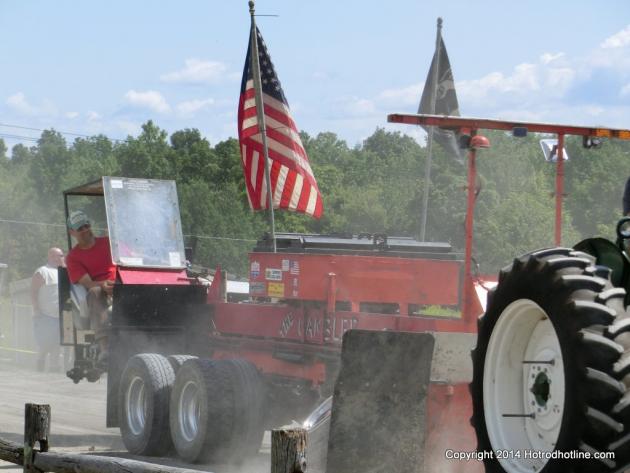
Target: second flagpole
[[427, 169], [261, 120]]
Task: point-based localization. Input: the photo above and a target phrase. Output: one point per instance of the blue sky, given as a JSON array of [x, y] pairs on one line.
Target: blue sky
[[90, 67]]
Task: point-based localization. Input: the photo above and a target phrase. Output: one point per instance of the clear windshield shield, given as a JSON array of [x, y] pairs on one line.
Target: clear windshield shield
[[144, 224]]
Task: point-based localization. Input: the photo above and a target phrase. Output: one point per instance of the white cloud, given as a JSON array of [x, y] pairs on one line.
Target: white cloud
[[533, 82], [402, 97], [18, 103], [530, 91], [128, 127], [190, 107], [525, 77], [197, 71], [355, 106], [546, 58], [615, 59], [560, 78], [93, 116], [495, 94], [71, 115], [618, 40], [547, 79], [150, 99], [21, 105]]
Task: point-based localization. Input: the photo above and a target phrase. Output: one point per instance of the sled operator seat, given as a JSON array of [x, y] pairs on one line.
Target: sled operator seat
[[73, 297]]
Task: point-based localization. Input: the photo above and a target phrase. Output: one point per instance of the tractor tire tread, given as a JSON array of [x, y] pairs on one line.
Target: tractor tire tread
[[600, 352], [562, 262], [603, 423], [593, 313], [618, 328]]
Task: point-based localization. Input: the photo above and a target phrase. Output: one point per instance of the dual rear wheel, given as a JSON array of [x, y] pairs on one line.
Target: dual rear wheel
[[206, 410]]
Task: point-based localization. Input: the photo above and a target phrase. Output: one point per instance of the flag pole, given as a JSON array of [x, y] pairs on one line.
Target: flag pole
[[427, 168], [261, 120]]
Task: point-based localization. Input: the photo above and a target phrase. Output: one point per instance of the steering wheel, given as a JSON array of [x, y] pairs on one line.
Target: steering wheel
[[623, 231]]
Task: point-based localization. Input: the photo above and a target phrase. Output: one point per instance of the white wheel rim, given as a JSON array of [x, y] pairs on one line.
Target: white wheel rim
[[520, 380], [188, 411], [136, 405]]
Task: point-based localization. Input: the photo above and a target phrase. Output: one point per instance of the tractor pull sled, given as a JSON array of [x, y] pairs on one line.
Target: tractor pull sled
[[204, 369]]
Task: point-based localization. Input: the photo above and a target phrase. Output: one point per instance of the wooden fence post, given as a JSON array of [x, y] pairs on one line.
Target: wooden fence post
[[288, 450], [36, 429]]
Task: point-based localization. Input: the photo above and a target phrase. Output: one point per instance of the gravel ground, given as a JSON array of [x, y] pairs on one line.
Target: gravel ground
[[78, 419]]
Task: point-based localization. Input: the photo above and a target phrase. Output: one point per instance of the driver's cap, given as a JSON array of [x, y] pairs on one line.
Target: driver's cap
[[77, 219]]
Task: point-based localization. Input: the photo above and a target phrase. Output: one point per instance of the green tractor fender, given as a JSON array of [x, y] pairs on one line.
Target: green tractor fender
[[612, 255]]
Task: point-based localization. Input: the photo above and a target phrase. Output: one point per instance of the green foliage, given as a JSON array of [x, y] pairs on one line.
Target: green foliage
[[149, 155], [49, 164], [4, 160], [595, 183], [376, 187], [21, 155]]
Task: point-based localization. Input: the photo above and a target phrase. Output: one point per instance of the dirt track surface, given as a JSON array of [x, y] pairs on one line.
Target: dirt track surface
[[78, 419]]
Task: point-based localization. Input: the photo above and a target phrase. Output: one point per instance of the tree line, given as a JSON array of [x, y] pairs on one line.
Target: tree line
[[374, 187]]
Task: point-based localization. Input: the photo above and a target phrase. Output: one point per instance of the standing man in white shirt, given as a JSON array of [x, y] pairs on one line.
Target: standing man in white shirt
[[45, 300]]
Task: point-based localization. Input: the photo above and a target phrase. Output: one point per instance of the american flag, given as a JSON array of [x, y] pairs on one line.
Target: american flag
[[292, 180]]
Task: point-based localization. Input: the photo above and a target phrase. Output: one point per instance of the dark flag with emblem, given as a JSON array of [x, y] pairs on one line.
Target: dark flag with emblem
[[445, 100], [292, 181]]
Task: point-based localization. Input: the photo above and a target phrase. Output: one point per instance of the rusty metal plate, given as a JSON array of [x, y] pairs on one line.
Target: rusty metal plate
[[379, 402]]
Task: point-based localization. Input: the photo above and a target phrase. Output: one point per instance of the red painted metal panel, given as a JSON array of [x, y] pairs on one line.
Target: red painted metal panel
[[268, 364], [357, 278], [259, 320], [153, 276], [313, 326], [489, 124], [471, 197]]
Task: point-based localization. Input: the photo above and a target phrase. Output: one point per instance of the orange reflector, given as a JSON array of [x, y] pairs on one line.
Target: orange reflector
[[603, 132]]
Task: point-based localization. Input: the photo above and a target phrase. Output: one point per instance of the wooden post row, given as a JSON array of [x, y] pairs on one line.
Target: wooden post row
[[37, 429]]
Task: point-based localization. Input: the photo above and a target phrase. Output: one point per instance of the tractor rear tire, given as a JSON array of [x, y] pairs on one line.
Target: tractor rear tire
[[548, 368], [216, 411], [143, 402]]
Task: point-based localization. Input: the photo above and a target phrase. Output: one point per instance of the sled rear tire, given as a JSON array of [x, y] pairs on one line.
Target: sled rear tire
[[217, 410], [143, 403]]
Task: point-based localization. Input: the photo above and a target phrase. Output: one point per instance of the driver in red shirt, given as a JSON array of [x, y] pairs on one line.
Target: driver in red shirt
[[90, 264]]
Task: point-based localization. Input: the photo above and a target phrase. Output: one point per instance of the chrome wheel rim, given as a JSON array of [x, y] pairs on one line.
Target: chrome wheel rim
[[189, 411], [136, 405]]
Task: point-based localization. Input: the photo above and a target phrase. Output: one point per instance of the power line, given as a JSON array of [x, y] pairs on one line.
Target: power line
[[206, 237], [18, 137], [26, 222], [39, 129], [69, 133]]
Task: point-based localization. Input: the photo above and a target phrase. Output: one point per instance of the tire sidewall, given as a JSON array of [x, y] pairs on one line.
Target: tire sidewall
[[190, 451]]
